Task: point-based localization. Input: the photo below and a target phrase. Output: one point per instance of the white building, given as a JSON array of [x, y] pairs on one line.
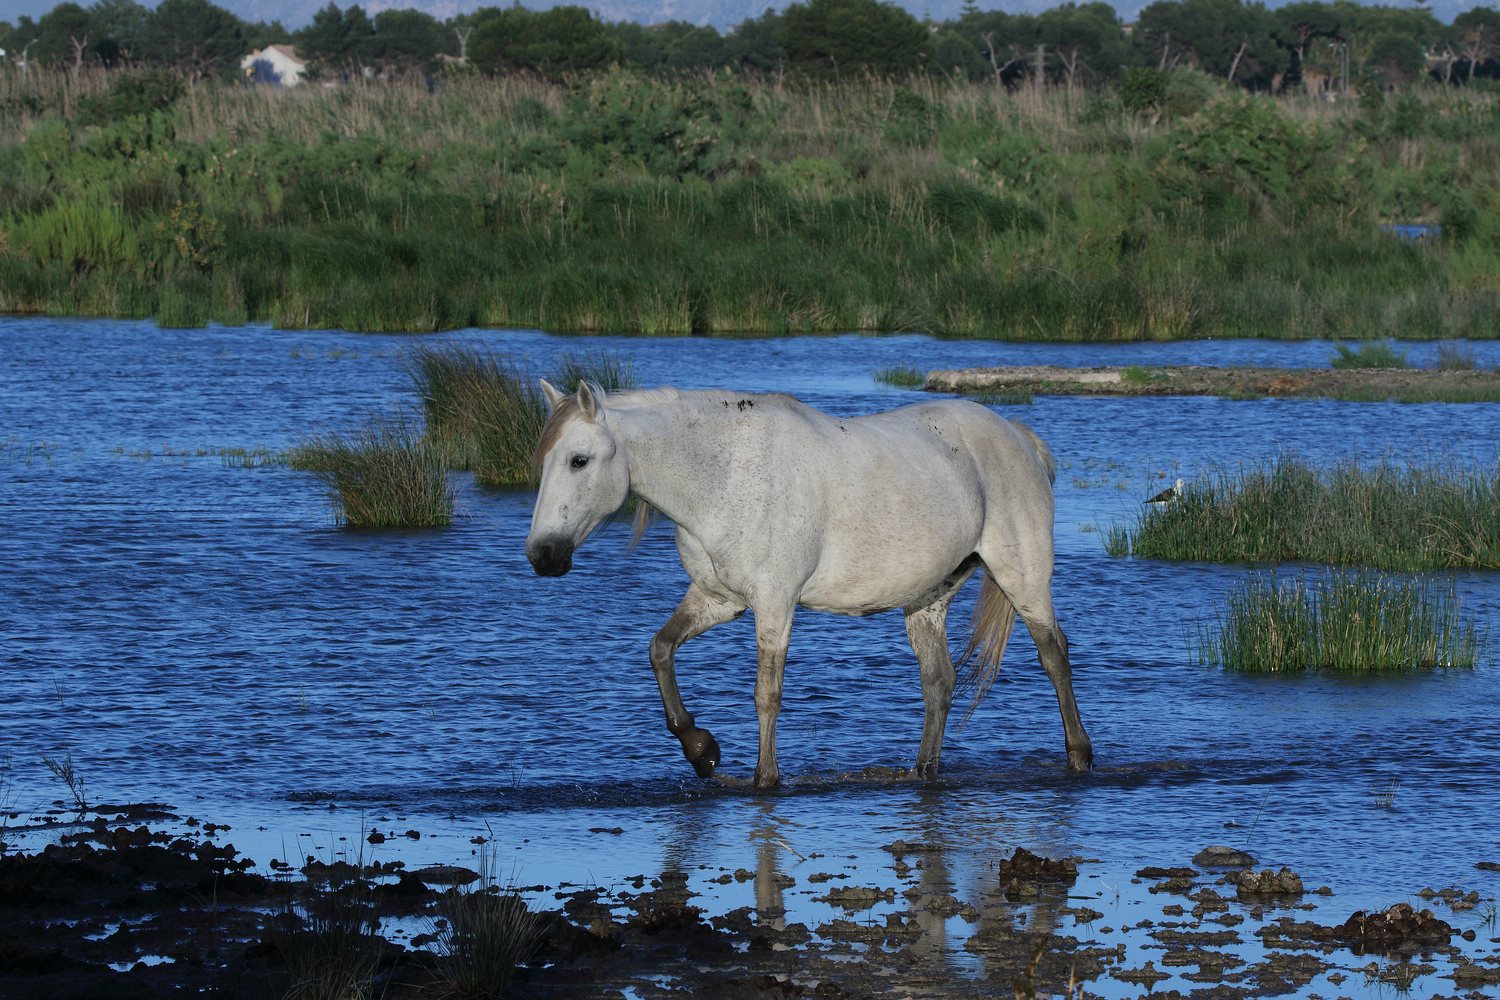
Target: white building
[[275, 64]]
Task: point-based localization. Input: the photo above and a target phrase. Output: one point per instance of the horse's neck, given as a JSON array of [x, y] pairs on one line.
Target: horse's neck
[[674, 455]]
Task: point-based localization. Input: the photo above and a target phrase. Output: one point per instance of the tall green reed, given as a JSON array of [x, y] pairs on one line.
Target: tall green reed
[[1397, 517], [1343, 622], [383, 475]]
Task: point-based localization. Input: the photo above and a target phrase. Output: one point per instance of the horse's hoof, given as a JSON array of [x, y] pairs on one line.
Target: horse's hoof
[[927, 771], [701, 750], [1081, 762], [766, 782]]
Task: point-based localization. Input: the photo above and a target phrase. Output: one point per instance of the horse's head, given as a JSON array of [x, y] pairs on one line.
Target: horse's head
[[583, 478]]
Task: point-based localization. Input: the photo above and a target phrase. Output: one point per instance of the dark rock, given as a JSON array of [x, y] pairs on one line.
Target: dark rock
[[1219, 856]]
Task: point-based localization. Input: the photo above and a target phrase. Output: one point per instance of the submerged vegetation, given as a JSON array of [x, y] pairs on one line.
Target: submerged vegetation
[[1387, 516], [1347, 622], [623, 202]]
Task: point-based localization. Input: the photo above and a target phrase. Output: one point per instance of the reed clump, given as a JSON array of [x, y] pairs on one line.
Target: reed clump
[[384, 475], [1388, 516], [904, 376], [1373, 354], [1344, 622], [483, 414]]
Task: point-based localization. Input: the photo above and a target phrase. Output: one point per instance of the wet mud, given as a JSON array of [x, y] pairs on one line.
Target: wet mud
[[117, 906]]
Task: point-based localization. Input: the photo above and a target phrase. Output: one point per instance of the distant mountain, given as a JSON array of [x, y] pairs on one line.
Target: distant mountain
[[722, 14]]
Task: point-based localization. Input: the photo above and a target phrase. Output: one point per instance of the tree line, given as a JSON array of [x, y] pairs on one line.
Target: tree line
[[1313, 44]]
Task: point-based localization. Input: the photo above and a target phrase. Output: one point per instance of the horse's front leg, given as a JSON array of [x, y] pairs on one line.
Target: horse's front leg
[[773, 633], [695, 615]]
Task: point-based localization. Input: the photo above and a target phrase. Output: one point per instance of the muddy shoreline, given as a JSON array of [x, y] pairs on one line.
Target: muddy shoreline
[[144, 901], [1232, 382]]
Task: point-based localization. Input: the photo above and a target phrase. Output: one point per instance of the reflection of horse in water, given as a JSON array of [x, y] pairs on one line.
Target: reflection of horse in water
[[777, 504]]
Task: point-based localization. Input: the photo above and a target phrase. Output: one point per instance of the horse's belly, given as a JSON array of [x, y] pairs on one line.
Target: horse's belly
[[903, 576]]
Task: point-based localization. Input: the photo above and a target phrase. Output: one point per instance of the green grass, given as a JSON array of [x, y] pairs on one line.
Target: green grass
[[484, 414], [603, 368], [1345, 622], [626, 204], [1375, 354], [1388, 516], [381, 476], [903, 376], [481, 412], [1456, 358], [1008, 397]]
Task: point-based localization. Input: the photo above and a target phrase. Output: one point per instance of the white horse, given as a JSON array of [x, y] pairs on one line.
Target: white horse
[[777, 504]]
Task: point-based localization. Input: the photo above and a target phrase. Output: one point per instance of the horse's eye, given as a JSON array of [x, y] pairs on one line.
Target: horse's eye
[[579, 461]]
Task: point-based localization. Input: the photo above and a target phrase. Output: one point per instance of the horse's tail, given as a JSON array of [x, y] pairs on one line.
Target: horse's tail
[[1040, 447], [994, 619]]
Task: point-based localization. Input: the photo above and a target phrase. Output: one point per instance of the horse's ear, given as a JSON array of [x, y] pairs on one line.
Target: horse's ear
[[591, 400], [551, 394]]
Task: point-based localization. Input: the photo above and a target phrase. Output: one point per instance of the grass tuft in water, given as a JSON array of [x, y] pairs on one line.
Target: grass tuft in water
[[904, 376], [1006, 397], [1405, 518], [608, 371], [482, 413], [383, 476], [483, 935], [1373, 354], [1344, 622], [485, 415]]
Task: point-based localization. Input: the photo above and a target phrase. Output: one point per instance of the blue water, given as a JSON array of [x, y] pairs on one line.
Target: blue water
[[202, 634]]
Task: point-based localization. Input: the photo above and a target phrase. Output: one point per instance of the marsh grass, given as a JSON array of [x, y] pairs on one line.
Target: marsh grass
[[1344, 622], [627, 204], [904, 376], [603, 368], [1388, 516], [484, 414], [1008, 397], [1456, 358], [481, 412], [381, 476], [1373, 354], [483, 936]]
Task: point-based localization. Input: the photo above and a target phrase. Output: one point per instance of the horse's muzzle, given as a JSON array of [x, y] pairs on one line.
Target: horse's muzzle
[[550, 558]]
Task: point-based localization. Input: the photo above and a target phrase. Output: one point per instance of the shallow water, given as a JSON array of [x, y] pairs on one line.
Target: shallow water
[[202, 634]]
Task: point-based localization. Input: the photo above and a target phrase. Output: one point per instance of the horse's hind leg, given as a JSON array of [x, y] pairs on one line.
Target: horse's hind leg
[[1032, 596], [695, 615], [927, 630], [773, 634]]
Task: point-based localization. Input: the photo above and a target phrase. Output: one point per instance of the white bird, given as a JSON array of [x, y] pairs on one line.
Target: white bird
[[1166, 496]]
